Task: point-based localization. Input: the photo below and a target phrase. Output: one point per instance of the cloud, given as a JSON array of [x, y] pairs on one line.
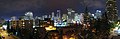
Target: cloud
[[20, 4], [93, 3]]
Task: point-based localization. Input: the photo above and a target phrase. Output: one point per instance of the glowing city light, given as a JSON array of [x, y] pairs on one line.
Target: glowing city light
[[50, 28]]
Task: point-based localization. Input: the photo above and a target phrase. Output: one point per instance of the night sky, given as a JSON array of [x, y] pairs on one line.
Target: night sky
[[18, 8]]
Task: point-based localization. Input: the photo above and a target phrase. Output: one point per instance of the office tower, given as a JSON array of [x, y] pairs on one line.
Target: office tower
[[25, 28], [64, 17], [49, 16], [81, 17], [13, 26], [70, 15], [76, 17], [37, 19], [98, 14], [28, 16], [59, 13], [22, 18], [13, 18], [45, 16], [59, 16], [53, 15], [111, 10]]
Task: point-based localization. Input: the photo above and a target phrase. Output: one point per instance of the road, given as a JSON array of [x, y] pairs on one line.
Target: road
[[5, 34]]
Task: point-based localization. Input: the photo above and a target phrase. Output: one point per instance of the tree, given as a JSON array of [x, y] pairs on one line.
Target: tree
[[102, 27]]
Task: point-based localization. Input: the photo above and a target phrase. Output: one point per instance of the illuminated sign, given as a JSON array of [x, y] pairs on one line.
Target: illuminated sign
[[60, 24]]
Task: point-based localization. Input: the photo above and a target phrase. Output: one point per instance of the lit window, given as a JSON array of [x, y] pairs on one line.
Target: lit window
[[29, 22], [34, 32], [110, 4], [35, 29], [23, 23]]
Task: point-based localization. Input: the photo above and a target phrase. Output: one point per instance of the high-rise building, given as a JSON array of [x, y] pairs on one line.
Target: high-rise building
[[37, 21], [81, 17], [13, 18], [53, 14], [45, 16], [76, 17], [111, 10], [70, 15], [59, 17], [25, 28], [28, 16], [59, 13], [49, 16], [38, 17], [22, 18], [64, 17], [13, 26], [98, 14]]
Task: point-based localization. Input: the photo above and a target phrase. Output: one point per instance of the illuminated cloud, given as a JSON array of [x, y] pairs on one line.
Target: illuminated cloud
[[14, 5], [42, 6], [93, 3]]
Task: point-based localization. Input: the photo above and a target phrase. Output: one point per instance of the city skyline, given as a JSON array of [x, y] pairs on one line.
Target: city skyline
[[59, 19], [42, 7]]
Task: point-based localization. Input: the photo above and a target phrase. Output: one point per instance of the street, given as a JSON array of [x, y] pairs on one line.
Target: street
[[5, 34]]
